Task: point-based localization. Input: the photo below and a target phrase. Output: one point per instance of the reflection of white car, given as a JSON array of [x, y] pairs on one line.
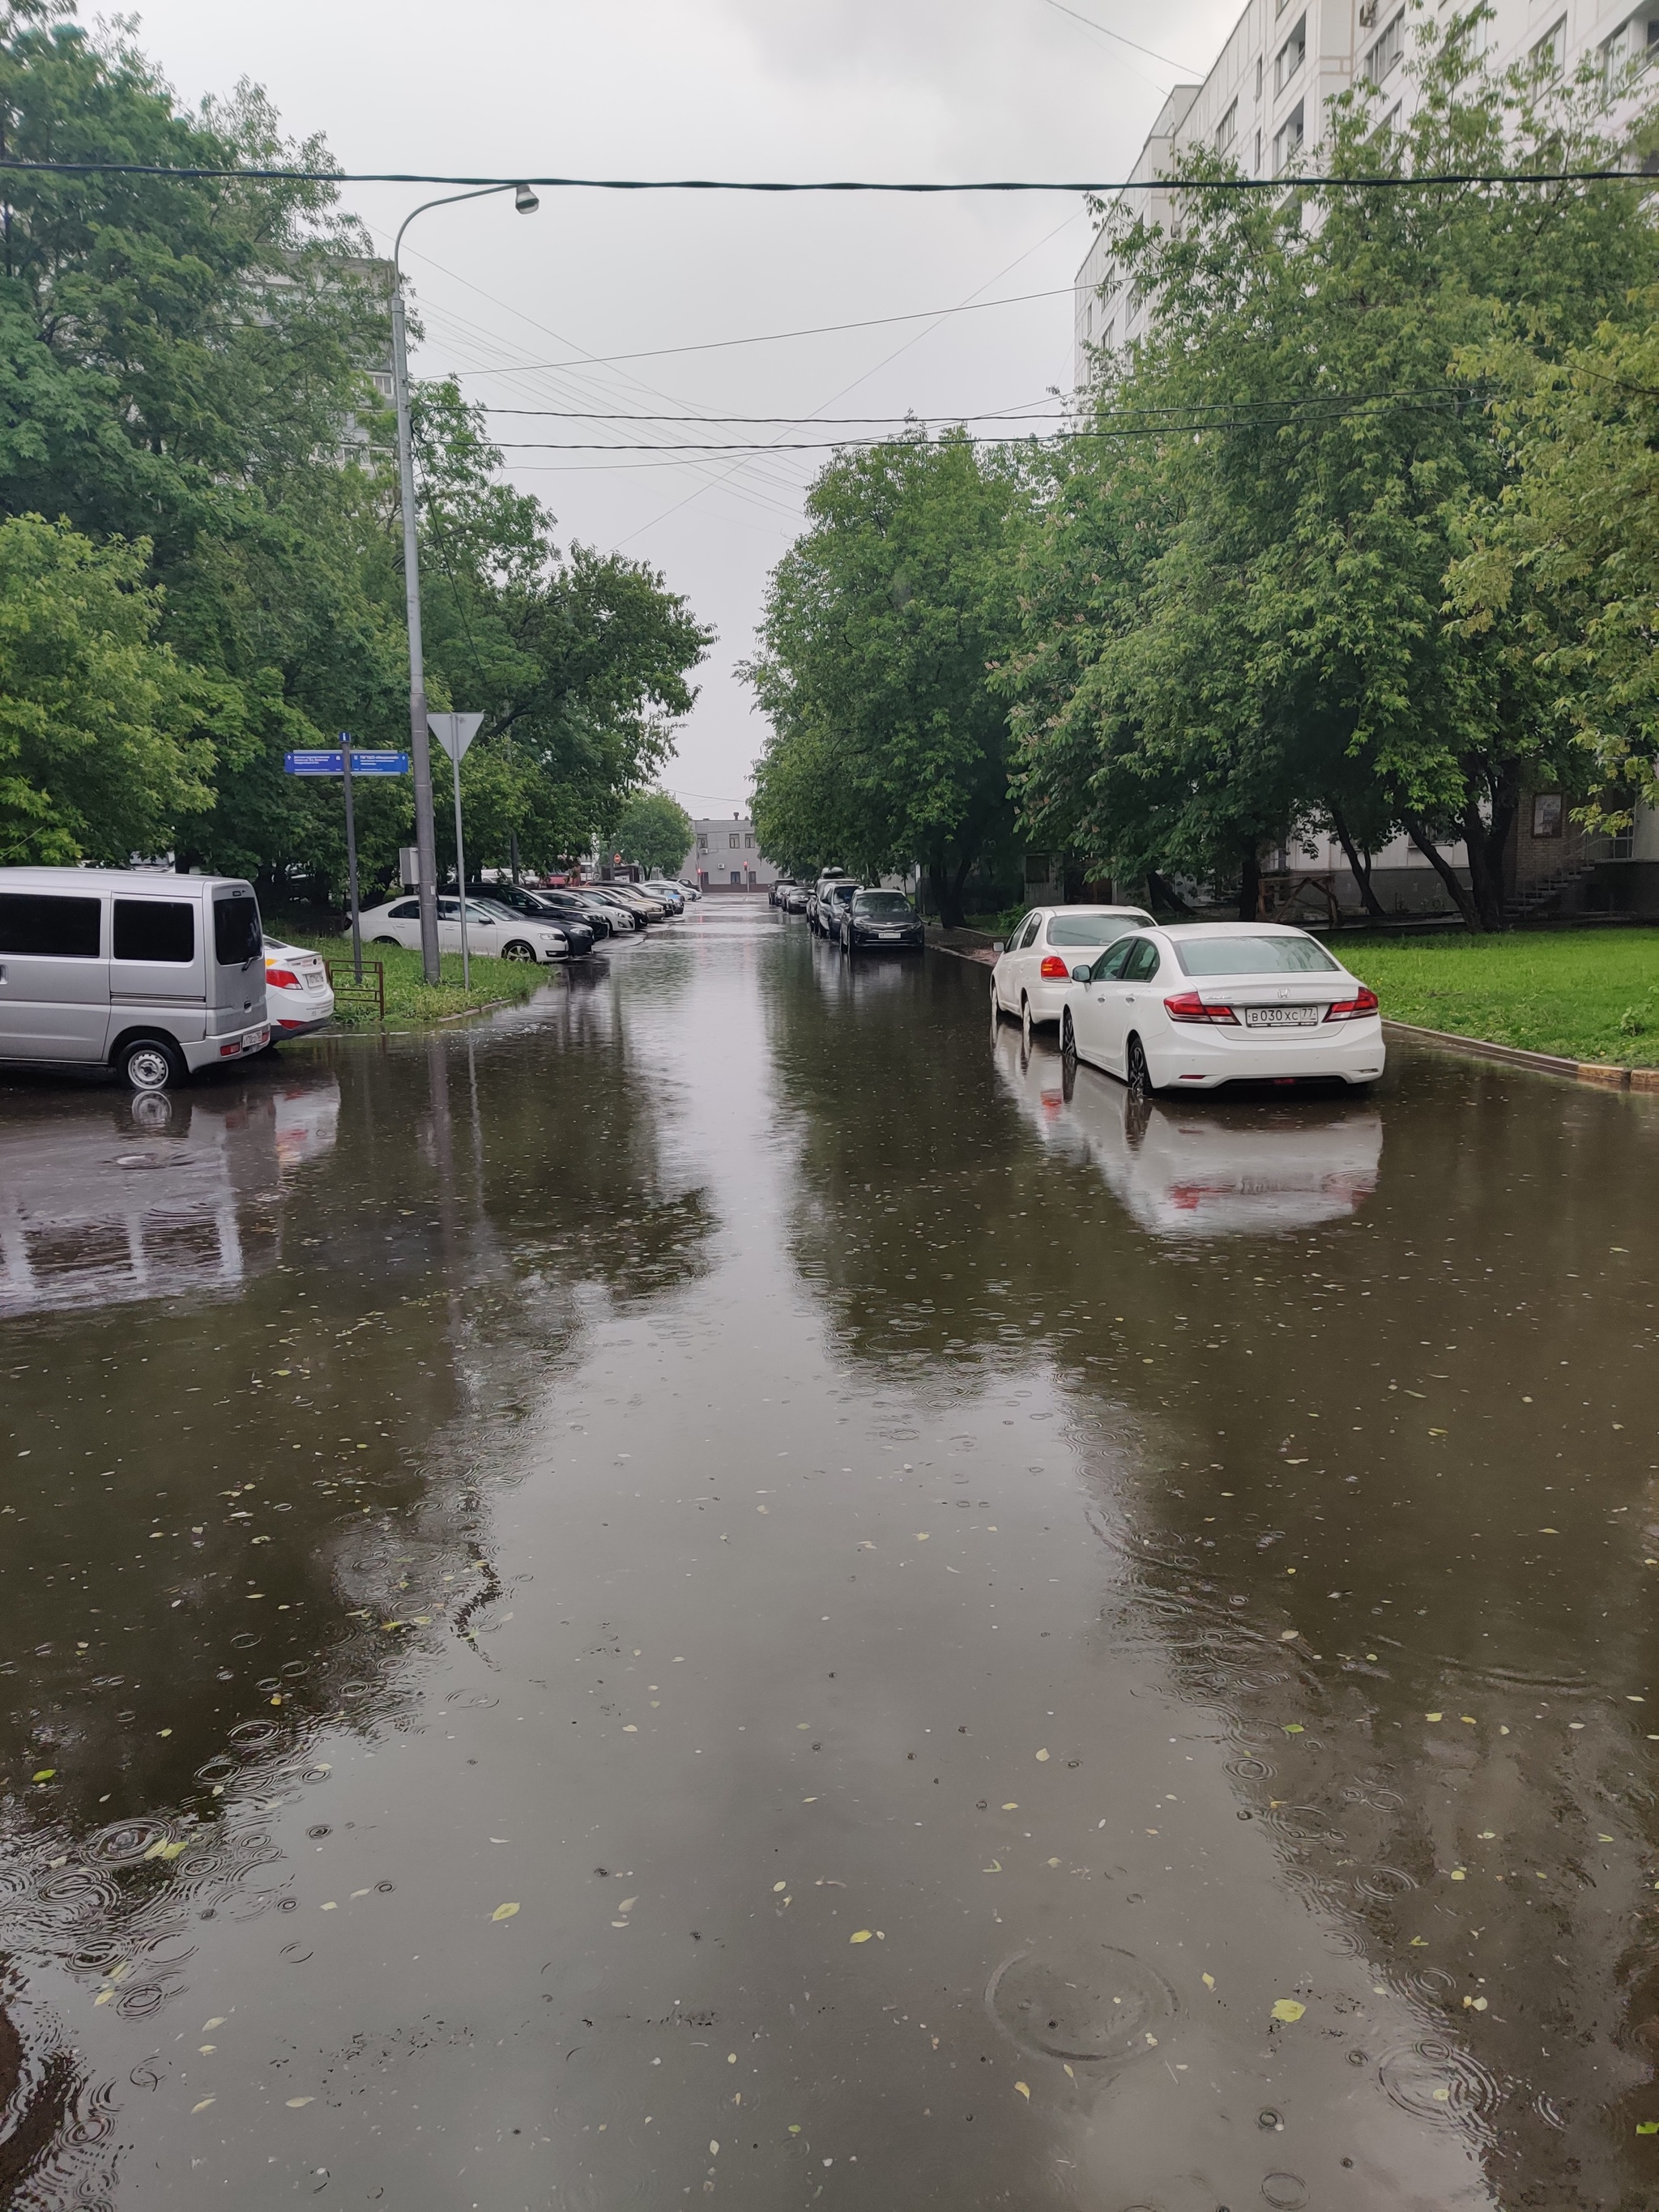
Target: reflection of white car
[[298, 998], [493, 932], [1228, 1169], [1205, 1002], [1037, 957]]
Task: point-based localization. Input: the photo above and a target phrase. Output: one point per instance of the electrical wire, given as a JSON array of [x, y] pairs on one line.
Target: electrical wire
[[1107, 32], [1092, 186]]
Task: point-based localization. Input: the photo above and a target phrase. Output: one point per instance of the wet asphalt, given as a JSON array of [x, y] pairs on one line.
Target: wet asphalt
[[726, 1586]]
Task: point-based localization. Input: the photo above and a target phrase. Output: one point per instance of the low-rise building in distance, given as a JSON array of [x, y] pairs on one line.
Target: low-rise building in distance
[[724, 856]]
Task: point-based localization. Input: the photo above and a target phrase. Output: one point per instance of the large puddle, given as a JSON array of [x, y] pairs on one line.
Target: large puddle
[[729, 1587]]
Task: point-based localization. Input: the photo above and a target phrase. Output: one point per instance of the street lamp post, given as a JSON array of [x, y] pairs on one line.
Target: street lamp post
[[426, 843]]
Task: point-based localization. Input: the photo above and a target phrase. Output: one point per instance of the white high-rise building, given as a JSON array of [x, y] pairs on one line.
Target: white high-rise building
[[1264, 102]]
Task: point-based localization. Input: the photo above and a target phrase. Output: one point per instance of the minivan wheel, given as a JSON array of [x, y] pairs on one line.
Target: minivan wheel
[[151, 1064]]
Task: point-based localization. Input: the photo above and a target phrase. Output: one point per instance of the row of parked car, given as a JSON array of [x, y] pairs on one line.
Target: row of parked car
[[859, 917], [158, 975]]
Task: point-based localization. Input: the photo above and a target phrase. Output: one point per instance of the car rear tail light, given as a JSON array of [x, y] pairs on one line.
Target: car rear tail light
[[283, 979], [1188, 1006], [1054, 969], [1354, 1010]]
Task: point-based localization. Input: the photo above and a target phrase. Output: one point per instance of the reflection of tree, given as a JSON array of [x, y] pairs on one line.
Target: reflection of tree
[[1327, 1436], [243, 1513]]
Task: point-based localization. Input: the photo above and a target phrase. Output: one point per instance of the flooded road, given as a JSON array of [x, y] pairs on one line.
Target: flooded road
[[726, 1588]]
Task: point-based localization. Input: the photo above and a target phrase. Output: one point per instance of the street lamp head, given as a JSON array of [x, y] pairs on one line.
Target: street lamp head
[[524, 200]]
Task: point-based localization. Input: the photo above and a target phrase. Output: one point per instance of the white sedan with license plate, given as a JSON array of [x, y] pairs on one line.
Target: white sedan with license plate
[[493, 932], [297, 997], [1034, 962], [1193, 1007]]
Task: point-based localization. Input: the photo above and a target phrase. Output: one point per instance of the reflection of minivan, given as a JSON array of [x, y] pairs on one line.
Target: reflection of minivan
[[152, 974]]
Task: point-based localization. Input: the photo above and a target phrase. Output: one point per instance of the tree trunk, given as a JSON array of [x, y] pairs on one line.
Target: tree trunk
[[1361, 875], [1249, 886], [949, 885], [1417, 830], [1485, 843]]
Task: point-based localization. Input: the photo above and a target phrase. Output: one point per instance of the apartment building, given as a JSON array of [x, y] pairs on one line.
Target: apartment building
[[1263, 103]]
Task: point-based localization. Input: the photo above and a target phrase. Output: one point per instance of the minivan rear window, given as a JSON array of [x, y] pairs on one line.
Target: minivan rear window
[[236, 937], [154, 929], [1252, 956], [41, 922]]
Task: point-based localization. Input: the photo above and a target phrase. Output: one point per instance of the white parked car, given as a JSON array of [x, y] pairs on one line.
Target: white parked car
[[492, 931], [297, 995], [1203, 1003], [1039, 951]]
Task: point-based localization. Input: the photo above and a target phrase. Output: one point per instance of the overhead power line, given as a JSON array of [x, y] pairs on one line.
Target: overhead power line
[[1107, 32], [12, 166]]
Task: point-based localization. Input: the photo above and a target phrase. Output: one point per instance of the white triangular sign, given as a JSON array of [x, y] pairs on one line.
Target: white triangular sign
[[454, 733]]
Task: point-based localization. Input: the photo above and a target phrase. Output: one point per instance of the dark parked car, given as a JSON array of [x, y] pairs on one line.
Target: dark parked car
[[874, 922], [774, 896], [541, 905]]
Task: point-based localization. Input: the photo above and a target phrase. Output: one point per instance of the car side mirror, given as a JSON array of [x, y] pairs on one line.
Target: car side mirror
[[1081, 973]]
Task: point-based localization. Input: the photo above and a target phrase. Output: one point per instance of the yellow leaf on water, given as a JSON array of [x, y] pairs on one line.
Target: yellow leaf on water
[[46, 1774], [1209, 1981], [922, 1535], [1434, 1717], [1042, 1754], [1288, 2010], [777, 1886], [795, 2127], [860, 1936], [1012, 1806], [1287, 1635], [1024, 2090], [295, 2103], [504, 1912], [202, 2107], [1293, 1727], [995, 1867], [1458, 1875], [103, 1996]]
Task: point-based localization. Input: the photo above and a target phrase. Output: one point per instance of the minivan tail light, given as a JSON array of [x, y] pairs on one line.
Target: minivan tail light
[[1054, 970], [1188, 1006], [1354, 1010], [284, 979]]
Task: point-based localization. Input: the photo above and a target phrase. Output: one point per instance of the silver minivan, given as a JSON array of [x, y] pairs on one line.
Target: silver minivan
[[155, 975]]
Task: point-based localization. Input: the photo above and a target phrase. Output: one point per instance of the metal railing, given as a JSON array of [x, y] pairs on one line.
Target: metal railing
[[349, 991]]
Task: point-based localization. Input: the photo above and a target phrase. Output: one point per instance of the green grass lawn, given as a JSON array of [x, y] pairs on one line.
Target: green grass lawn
[[1587, 995], [410, 1002]]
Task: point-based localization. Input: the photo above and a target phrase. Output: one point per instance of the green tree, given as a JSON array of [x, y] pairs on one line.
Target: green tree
[[105, 739], [882, 625], [654, 831], [1239, 627]]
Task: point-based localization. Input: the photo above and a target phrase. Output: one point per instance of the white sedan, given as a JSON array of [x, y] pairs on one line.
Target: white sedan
[[297, 995], [1034, 962], [1205, 1002], [493, 932]]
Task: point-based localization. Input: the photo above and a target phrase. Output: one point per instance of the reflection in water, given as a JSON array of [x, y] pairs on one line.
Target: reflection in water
[[1218, 1167], [103, 1202], [703, 1469]]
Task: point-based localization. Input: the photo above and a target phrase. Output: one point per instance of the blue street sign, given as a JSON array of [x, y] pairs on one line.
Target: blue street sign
[[331, 761]]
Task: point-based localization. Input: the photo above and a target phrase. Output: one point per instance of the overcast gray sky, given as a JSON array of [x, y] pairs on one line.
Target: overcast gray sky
[[925, 88]]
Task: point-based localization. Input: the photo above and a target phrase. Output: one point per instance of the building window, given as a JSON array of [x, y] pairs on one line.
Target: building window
[[702, 844], [1629, 51], [1287, 141], [1227, 129], [1258, 76], [1550, 52], [733, 841], [1385, 55], [1548, 812], [1290, 55], [748, 841]]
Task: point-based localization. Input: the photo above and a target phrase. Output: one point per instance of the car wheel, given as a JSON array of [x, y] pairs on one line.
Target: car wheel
[[996, 1003], [1068, 1038], [519, 952], [151, 1064], [1141, 1076], [1025, 1021], [384, 940]]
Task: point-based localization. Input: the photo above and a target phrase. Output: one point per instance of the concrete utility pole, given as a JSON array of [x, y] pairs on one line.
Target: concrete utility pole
[[426, 842]]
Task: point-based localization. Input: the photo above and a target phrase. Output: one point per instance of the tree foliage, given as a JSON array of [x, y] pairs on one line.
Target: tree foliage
[[1239, 630], [654, 831], [185, 383], [887, 743]]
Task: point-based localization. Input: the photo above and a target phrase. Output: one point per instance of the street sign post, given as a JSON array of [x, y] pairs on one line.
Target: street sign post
[[345, 761], [455, 732]]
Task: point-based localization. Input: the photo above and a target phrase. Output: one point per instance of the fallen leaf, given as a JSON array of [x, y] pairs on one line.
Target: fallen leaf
[[1288, 2010], [1042, 1754], [1012, 1806], [202, 2107], [295, 2103], [1434, 1717], [1647, 2127], [995, 1867], [922, 1535], [46, 1774], [1024, 2090], [1209, 1981], [626, 1904], [218, 2021], [861, 1935], [778, 1886], [1287, 1635], [504, 1912]]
